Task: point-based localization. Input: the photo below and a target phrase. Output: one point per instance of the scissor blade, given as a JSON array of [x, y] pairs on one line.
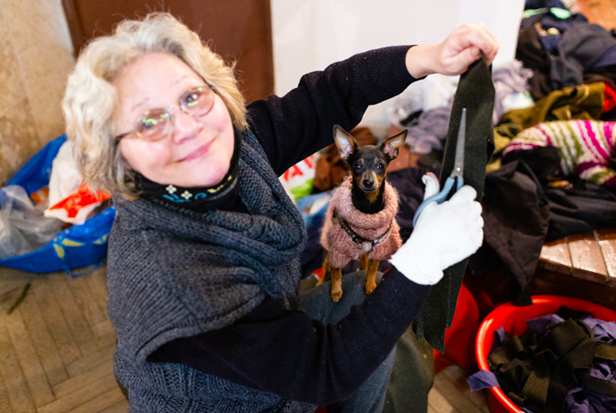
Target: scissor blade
[[458, 165]]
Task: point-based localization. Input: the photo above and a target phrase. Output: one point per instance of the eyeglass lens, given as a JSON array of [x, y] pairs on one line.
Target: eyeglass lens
[[156, 123]]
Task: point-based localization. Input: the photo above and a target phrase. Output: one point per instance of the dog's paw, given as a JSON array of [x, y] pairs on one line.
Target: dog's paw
[[336, 295], [369, 287]]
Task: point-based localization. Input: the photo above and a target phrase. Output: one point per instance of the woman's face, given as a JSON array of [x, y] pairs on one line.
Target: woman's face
[[197, 150]]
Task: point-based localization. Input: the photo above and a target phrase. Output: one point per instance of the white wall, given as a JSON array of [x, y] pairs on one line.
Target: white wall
[[310, 34]]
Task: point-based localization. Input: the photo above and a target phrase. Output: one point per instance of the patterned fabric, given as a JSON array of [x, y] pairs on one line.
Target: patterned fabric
[[172, 293], [586, 147], [368, 226]]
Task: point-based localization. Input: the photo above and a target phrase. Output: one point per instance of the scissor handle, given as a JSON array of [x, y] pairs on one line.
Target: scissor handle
[[459, 183], [440, 197]]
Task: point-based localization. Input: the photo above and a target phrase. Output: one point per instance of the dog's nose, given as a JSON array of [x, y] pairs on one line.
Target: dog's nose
[[368, 183]]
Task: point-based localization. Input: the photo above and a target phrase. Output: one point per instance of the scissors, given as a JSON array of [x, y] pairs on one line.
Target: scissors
[[457, 175]]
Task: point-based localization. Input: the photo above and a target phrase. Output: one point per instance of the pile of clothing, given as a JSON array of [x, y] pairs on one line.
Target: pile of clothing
[[552, 173]]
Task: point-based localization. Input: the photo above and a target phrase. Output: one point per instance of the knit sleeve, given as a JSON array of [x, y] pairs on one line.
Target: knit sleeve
[[294, 126], [289, 354]]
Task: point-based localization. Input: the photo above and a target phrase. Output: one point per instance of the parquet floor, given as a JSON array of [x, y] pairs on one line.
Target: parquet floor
[[56, 347]]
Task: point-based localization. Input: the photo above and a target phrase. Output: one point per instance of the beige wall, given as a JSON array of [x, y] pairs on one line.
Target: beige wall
[[36, 56]]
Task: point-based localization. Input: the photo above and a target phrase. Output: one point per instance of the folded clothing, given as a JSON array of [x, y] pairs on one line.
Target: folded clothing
[[586, 147]]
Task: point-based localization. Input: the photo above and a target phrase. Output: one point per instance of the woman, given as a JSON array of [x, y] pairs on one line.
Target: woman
[[203, 265]]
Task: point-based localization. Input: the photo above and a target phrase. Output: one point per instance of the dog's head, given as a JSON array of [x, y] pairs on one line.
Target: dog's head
[[368, 163]]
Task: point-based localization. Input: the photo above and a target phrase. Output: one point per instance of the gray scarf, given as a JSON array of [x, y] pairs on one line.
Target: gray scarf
[[269, 238], [174, 272]]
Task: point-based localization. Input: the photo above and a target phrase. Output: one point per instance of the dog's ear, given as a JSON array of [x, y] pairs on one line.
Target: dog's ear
[[391, 145], [345, 142]]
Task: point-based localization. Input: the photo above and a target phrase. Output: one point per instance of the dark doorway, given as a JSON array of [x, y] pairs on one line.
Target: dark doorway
[[238, 30]]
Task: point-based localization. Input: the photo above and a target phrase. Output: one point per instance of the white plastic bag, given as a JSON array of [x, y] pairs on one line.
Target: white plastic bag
[[297, 180], [69, 199], [23, 227]]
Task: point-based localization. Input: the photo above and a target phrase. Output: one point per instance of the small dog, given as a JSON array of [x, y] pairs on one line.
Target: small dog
[[360, 222]]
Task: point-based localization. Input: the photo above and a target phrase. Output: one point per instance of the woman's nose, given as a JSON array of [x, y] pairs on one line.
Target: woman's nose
[[184, 126]]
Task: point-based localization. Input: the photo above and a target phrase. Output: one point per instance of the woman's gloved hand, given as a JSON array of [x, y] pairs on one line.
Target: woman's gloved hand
[[444, 235]]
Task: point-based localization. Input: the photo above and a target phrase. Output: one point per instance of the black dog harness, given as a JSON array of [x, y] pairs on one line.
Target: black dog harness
[[364, 244]]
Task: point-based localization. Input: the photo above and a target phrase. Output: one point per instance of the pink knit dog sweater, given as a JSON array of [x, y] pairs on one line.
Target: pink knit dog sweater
[[339, 243]]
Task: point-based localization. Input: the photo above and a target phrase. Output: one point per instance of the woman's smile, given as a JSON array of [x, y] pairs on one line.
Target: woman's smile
[[199, 152]]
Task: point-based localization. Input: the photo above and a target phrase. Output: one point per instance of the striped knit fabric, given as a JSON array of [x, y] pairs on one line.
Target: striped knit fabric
[[586, 147]]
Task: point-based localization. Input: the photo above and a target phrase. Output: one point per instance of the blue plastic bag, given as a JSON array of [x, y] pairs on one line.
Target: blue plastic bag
[[75, 247]]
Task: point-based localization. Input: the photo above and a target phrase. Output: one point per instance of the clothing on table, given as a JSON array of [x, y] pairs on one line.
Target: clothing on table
[[510, 87], [579, 208], [428, 126], [515, 214], [429, 130], [179, 276], [563, 49], [521, 212], [532, 54], [585, 146], [582, 48], [580, 102], [551, 22]]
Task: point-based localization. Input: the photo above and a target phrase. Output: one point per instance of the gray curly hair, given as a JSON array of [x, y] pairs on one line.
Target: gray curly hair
[[90, 98]]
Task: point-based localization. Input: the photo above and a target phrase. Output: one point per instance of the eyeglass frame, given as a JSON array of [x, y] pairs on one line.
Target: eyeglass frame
[[169, 111]]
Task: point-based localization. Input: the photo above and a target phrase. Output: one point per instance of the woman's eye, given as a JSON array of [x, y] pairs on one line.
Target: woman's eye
[[192, 98], [147, 123], [152, 120]]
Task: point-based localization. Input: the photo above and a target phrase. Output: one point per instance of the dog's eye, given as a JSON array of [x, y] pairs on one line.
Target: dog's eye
[[380, 165], [357, 167]]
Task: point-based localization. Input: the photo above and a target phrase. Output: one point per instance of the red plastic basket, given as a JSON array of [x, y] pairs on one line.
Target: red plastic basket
[[513, 320]]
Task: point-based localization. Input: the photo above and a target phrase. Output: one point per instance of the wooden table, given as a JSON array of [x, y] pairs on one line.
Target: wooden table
[[582, 266]]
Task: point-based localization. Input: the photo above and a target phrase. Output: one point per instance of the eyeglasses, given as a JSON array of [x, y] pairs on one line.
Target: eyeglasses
[[155, 124]]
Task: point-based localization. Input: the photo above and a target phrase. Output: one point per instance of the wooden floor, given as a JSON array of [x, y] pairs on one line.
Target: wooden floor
[[56, 347]]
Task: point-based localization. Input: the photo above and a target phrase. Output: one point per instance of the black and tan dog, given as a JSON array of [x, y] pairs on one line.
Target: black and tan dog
[[360, 221]]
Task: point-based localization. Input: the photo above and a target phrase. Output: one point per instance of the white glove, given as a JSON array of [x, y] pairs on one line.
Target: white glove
[[444, 235]]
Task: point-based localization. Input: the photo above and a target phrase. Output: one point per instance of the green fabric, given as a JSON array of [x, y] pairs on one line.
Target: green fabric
[[579, 102], [412, 376], [556, 12], [560, 13], [475, 92]]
